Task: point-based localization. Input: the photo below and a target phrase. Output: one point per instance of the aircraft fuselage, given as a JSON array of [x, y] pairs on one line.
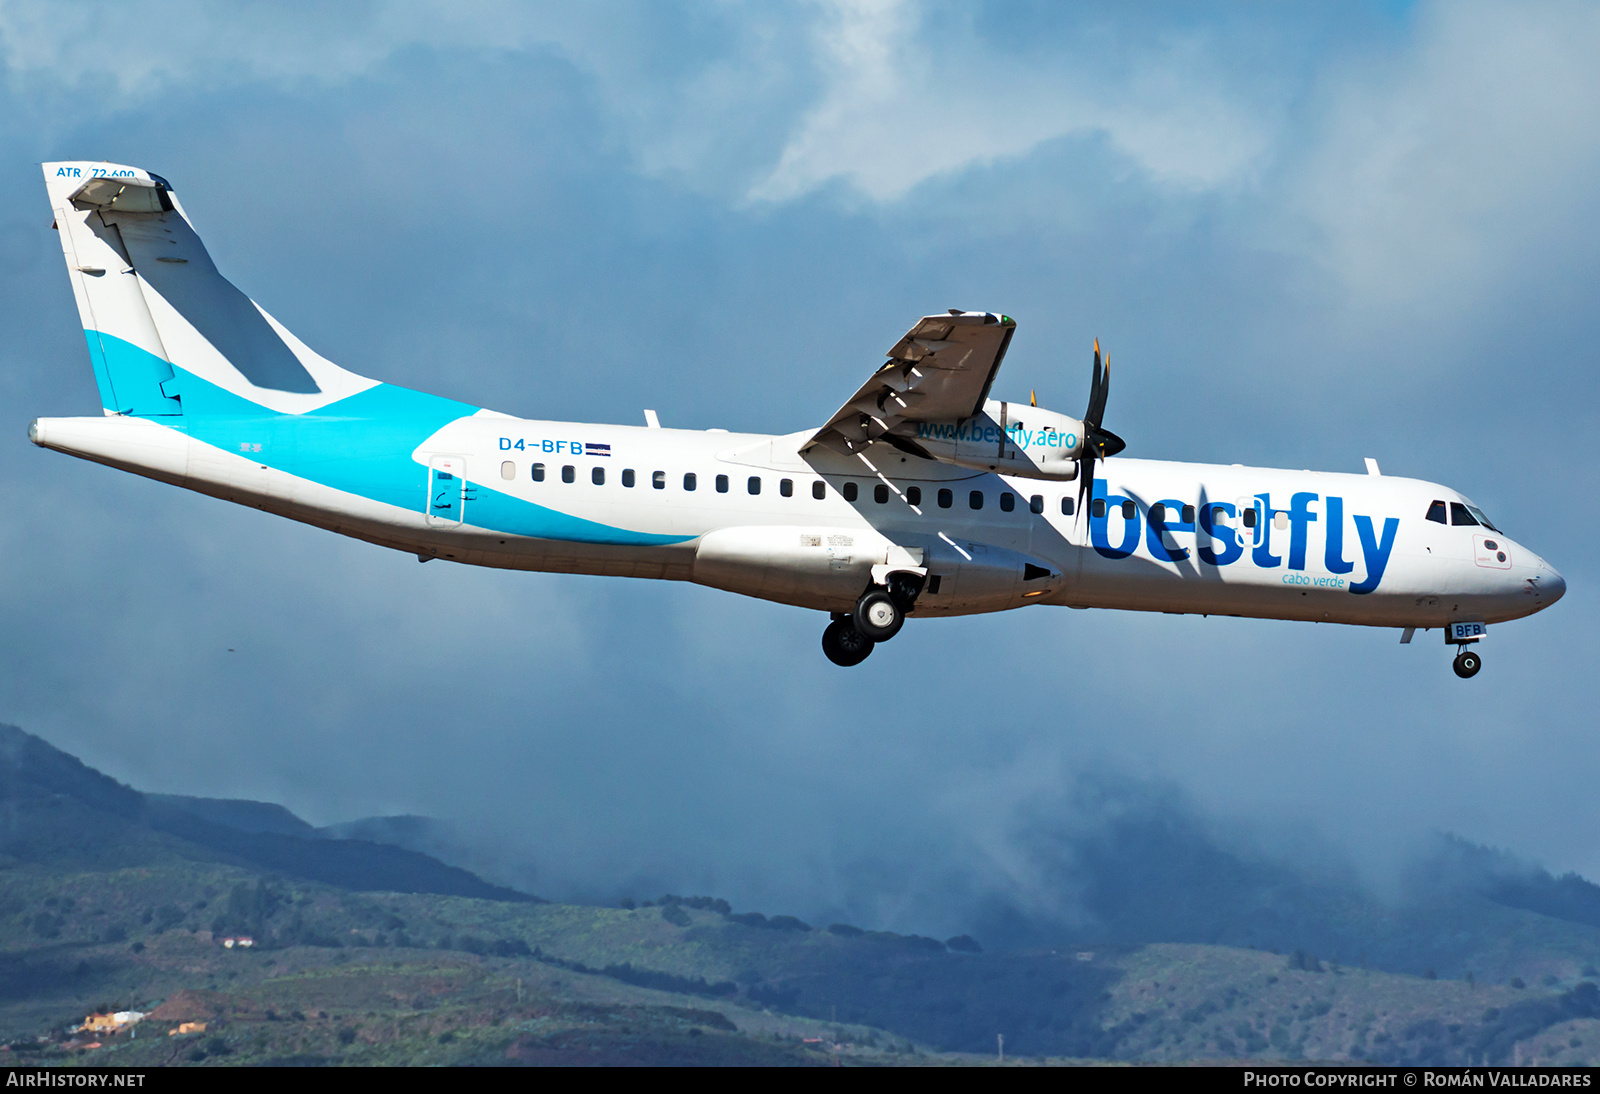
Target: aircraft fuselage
[[747, 513]]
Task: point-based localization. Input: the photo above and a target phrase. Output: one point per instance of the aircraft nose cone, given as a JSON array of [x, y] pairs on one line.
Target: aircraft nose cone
[[1552, 584]]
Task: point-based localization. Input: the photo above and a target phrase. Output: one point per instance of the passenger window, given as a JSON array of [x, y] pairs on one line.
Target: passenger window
[[786, 487], [1460, 516], [690, 480], [569, 473], [849, 491], [1280, 520], [722, 484], [1036, 504], [1097, 508], [627, 477], [598, 476], [508, 470], [1250, 517], [975, 499], [1158, 513], [755, 484], [914, 495], [1188, 514], [1436, 513], [819, 489], [658, 479], [946, 499], [536, 472], [1067, 506], [1129, 510], [880, 493], [1008, 501]]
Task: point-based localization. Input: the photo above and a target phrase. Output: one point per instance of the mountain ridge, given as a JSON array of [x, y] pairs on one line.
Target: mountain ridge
[[40, 785], [111, 894]]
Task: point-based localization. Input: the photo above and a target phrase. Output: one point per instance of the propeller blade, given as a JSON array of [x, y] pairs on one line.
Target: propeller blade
[[1105, 392], [1094, 384], [1099, 390], [1098, 442], [1085, 478]]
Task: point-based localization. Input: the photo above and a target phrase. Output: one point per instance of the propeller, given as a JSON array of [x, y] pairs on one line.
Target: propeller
[[1098, 442]]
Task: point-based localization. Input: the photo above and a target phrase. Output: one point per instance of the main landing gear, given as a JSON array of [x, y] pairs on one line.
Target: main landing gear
[[880, 613], [843, 644], [878, 616]]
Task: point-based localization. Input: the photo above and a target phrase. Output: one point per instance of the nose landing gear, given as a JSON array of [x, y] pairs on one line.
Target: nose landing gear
[[1464, 636]]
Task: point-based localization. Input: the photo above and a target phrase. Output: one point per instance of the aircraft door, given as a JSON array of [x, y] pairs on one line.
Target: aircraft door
[[446, 491]]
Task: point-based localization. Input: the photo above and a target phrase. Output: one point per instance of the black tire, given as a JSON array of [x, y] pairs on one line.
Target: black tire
[[878, 615], [1467, 664], [844, 645]]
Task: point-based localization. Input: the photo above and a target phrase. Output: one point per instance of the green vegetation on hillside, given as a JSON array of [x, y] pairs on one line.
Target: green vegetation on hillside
[[107, 902]]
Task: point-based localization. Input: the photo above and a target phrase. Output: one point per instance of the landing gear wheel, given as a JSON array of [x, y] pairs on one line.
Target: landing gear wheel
[[878, 616], [844, 645], [1467, 664]]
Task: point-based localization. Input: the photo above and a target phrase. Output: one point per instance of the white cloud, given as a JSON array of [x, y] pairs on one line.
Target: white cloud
[[1433, 173], [906, 101], [137, 52], [770, 103], [704, 93], [716, 94]]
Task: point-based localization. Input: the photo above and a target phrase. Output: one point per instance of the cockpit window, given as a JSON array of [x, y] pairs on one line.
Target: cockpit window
[[1459, 515], [1483, 520], [1436, 513]]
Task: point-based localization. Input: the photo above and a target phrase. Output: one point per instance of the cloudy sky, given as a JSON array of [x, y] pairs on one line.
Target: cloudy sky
[[1308, 233]]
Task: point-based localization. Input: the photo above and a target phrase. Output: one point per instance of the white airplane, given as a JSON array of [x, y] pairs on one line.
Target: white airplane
[[921, 497]]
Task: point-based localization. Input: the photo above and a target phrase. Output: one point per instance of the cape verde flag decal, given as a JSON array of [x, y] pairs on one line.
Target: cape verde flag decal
[[596, 449]]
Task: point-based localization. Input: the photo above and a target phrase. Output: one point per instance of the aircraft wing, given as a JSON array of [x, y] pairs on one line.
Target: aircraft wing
[[940, 371]]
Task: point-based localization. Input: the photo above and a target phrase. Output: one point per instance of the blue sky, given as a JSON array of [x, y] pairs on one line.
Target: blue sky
[[1307, 233]]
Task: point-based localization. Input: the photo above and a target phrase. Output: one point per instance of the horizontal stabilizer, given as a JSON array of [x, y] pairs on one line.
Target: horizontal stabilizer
[[124, 195]]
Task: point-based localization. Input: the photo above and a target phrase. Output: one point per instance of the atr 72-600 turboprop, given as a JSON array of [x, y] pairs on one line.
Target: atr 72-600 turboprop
[[921, 497]]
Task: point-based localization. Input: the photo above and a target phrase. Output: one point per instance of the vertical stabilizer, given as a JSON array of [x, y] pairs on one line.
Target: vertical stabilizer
[[130, 363], [156, 312]]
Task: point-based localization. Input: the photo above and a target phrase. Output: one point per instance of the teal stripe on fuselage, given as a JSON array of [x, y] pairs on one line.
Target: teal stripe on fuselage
[[363, 445]]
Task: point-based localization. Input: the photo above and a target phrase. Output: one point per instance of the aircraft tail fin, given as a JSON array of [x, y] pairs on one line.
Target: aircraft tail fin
[[165, 329]]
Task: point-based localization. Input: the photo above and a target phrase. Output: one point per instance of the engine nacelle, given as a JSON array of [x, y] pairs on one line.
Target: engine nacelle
[[1007, 438]]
